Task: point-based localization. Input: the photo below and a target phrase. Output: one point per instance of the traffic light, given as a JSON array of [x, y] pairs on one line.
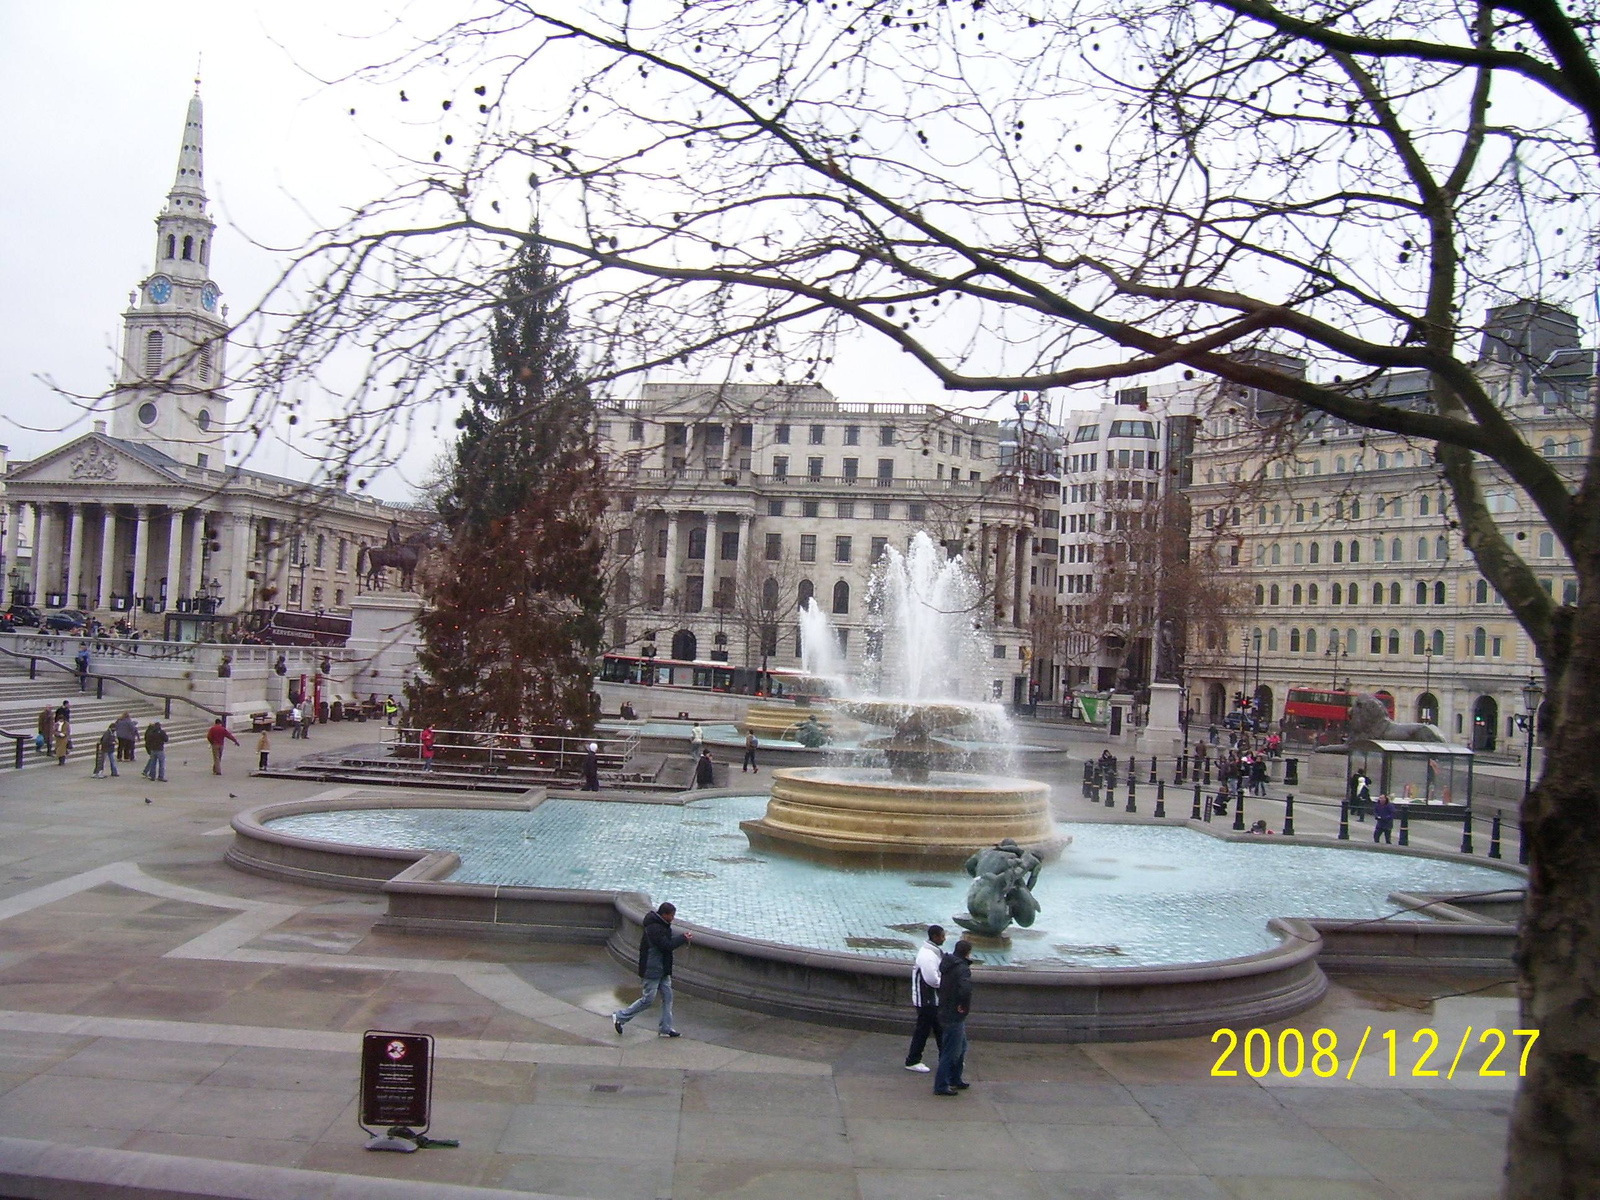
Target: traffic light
[[1238, 699]]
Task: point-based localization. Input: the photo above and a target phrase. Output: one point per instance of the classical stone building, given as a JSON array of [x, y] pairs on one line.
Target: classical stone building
[[1346, 555], [735, 502], [148, 518]]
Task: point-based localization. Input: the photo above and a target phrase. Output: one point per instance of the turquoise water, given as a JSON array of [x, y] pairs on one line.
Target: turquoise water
[[1120, 895], [728, 735]]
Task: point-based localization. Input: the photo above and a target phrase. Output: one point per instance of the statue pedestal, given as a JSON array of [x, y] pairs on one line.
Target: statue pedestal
[[383, 640], [1162, 732]]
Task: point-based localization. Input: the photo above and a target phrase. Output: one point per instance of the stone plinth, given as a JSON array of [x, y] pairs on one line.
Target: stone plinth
[[383, 644]]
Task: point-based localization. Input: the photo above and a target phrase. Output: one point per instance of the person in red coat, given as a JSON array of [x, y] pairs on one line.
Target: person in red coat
[[216, 735]]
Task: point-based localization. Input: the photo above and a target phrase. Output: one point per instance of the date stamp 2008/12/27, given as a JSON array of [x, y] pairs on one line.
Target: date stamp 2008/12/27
[[1290, 1055]]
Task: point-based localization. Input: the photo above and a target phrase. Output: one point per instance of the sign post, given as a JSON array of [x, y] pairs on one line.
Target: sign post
[[396, 1089]]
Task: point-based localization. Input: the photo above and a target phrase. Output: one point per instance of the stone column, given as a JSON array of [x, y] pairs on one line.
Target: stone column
[[141, 551], [1024, 558], [236, 596], [1002, 576], [174, 557], [194, 578], [670, 567], [41, 551], [75, 514], [742, 556], [108, 555], [13, 535]]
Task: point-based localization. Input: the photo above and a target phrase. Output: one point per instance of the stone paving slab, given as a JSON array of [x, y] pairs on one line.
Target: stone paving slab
[[171, 1018]]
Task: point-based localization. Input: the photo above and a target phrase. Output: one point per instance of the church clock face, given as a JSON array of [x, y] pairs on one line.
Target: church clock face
[[208, 297], [159, 289]]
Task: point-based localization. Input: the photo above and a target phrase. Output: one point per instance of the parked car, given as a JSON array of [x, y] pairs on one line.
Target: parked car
[[67, 620], [1244, 720], [24, 616]]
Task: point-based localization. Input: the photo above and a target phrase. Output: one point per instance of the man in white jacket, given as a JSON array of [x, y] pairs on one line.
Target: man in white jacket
[[925, 997]]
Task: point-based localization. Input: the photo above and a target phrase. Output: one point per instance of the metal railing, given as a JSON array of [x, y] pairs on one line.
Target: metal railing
[[535, 751], [101, 679]]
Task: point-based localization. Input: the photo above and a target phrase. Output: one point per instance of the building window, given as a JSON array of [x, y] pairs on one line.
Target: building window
[[1394, 593], [1311, 641], [814, 469], [317, 557], [1295, 597], [1481, 592], [1394, 641], [1311, 593], [1438, 641], [1261, 595], [1275, 594], [879, 545], [1480, 641], [1396, 552], [1354, 594], [817, 432], [341, 555], [730, 546], [294, 593], [886, 436], [1547, 545], [636, 431], [841, 599], [774, 547], [806, 592], [885, 472], [694, 593], [780, 466], [852, 435], [1355, 551], [1422, 593], [153, 348], [1314, 552], [774, 508], [697, 542], [846, 510], [999, 650], [1419, 642], [841, 549], [810, 508], [916, 512], [780, 434], [1377, 550], [808, 547], [880, 510], [1338, 594], [1272, 638], [1338, 552], [852, 469], [1438, 592], [338, 597]]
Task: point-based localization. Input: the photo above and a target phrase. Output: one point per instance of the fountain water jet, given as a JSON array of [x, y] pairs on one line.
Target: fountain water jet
[[926, 649]]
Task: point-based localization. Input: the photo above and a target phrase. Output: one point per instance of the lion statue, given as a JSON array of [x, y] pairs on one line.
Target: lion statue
[[1369, 721]]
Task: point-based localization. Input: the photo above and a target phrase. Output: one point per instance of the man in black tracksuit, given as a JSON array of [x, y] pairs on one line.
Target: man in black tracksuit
[[955, 999], [655, 967]]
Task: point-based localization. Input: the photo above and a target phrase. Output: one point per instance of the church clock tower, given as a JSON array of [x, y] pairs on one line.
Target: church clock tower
[[169, 385]]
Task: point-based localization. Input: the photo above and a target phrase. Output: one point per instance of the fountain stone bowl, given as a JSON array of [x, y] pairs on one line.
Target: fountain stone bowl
[[865, 816]]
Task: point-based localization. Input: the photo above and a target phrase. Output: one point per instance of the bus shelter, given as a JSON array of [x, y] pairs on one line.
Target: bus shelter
[[1431, 779]]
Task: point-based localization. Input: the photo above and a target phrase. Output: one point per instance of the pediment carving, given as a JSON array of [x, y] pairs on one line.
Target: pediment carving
[[94, 461]]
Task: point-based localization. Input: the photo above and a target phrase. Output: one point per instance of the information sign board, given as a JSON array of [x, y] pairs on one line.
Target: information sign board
[[396, 1078]]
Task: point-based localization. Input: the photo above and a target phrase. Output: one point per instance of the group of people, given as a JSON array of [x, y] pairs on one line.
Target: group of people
[[117, 743], [1383, 809]]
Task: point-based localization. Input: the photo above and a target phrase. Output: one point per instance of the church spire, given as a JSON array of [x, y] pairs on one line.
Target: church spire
[[188, 195]]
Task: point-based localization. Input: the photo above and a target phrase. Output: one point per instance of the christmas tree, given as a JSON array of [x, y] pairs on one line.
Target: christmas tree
[[511, 635]]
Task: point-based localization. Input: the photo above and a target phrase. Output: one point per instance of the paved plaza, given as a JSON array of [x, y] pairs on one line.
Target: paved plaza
[[160, 1005]]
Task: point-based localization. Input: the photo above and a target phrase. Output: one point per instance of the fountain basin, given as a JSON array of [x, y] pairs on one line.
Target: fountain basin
[[867, 816]]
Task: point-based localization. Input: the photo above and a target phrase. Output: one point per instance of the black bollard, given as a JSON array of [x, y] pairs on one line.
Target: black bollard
[[1088, 778], [33, 668], [1111, 795], [1522, 844], [1494, 836], [1466, 833], [1344, 821], [1241, 797], [1132, 807], [1093, 791], [1291, 772], [1161, 800], [1208, 773], [1405, 824], [1238, 816], [99, 687], [1152, 768], [20, 742], [1194, 815], [1288, 815], [1182, 774]]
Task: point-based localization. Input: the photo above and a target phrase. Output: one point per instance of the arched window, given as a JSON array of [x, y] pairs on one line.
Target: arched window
[[1480, 641], [1574, 448], [1311, 594], [1481, 593], [1355, 551], [152, 353], [203, 251], [807, 590], [1438, 592], [1375, 642], [1394, 592], [1349, 641], [202, 364], [1338, 464], [188, 247], [1338, 594], [1422, 505], [1316, 508], [1299, 554], [1422, 549], [172, 245], [1277, 555], [1261, 515], [1338, 510], [1377, 593], [1441, 548], [1333, 641], [1377, 549], [1299, 512], [841, 598], [1261, 556], [1272, 638], [1277, 514], [1354, 594], [1396, 551], [1297, 595], [1382, 505], [1316, 552], [769, 595], [1277, 596], [1422, 593], [1399, 501], [1338, 552], [1549, 448], [1311, 641], [1355, 509], [1383, 462], [1294, 641], [1419, 642], [1261, 595], [1547, 545], [1438, 641]]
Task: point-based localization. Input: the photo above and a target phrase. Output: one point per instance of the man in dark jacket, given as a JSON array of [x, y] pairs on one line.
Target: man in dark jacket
[[155, 745], [704, 770], [955, 999], [655, 968]]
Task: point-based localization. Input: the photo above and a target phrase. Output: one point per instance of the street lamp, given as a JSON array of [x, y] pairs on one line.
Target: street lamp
[[1431, 714], [1532, 693], [1256, 695], [1335, 651]]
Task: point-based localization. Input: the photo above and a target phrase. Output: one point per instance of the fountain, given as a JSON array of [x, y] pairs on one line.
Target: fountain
[[926, 650]]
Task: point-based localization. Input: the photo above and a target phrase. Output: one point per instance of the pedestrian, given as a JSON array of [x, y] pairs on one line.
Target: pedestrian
[[390, 709], [46, 729], [263, 750], [216, 735], [127, 737], [308, 715], [82, 661], [697, 741], [1258, 776], [925, 998], [155, 745], [427, 748], [294, 722], [105, 752], [955, 1000], [61, 738], [749, 763], [656, 944], [1211, 734], [1383, 815], [705, 771], [591, 768], [1360, 795]]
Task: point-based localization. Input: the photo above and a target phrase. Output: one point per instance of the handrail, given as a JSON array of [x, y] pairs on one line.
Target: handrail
[[488, 743], [119, 681]]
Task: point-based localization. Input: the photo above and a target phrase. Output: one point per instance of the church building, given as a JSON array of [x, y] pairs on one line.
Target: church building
[[148, 519]]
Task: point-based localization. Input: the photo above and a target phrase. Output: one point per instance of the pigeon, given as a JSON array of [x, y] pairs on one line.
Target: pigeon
[[232, 796], [147, 799]]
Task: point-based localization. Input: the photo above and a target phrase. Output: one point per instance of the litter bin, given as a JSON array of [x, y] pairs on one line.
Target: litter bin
[[1291, 772]]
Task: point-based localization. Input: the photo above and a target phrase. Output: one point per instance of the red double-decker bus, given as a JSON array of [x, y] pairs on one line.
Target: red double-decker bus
[[1321, 716]]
